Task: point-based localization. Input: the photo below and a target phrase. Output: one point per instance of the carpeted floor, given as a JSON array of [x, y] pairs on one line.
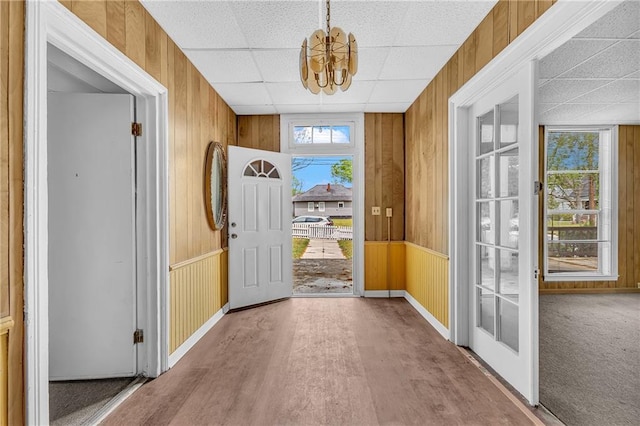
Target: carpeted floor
[[75, 402], [590, 358]]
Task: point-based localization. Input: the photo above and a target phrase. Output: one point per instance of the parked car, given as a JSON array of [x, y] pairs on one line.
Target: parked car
[[312, 221]]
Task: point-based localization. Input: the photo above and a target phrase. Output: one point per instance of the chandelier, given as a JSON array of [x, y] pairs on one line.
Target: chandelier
[[329, 60]]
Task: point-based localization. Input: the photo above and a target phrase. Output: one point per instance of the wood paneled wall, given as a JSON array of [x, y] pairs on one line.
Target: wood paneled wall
[[197, 115], [384, 265], [628, 221], [384, 175], [426, 121], [383, 162], [11, 212], [198, 290], [428, 280], [259, 132]]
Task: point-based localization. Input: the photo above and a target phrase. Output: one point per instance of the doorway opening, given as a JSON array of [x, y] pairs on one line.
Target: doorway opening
[[322, 224]]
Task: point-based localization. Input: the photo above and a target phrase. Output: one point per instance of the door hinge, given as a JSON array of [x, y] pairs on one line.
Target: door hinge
[[138, 336], [136, 129], [537, 187], [535, 273]]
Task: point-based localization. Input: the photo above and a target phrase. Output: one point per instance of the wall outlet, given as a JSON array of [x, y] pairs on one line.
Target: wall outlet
[[638, 284], [375, 211], [389, 212]]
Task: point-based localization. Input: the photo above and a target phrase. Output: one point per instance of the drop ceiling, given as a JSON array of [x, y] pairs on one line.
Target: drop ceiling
[[594, 78], [249, 50]]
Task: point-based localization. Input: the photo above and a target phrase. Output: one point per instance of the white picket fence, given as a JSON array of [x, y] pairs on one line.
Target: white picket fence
[[322, 232]]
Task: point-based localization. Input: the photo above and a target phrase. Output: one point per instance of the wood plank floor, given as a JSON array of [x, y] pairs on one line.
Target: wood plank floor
[[321, 361]]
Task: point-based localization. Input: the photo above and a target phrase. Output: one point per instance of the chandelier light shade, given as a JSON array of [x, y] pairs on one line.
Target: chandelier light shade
[[328, 60]]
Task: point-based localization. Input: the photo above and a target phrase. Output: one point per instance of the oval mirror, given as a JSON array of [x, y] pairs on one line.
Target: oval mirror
[[215, 178]]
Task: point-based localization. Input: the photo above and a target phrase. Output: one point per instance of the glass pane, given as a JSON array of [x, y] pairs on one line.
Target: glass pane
[[509, 223], [302, 134], [250, 171], [486, 309], [509, 168], [487, 262], [485, 129], [573, 257], [509, 122], [508, 323], [509, 285], [573, 191], [486, 217], [321, 134], [572, 150], [341, 134], [487, 181]]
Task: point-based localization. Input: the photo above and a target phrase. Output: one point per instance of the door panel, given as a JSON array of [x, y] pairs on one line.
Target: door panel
[[260, 269], [91, 236], [504, 317]]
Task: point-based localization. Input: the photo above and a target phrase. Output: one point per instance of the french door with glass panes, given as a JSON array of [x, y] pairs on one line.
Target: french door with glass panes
[[504, 293]]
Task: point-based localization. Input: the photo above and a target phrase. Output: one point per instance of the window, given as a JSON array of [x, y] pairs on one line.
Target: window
[[581, 205], [321, 206], [341, 204], [318, 135], [310, 207]]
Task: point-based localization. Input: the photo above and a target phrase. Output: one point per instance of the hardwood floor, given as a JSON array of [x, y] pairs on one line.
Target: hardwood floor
[[321, 361]]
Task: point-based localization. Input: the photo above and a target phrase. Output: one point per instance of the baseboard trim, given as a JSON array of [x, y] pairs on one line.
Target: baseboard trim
[[384, 293], [444, 331], [110, 407], [195, 337], [588, 290]]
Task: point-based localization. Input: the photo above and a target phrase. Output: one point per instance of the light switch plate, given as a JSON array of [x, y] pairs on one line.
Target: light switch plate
[[389, 212]]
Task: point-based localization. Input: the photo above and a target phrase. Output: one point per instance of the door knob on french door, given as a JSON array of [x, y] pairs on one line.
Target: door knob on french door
[[233, 224], [234, 236]]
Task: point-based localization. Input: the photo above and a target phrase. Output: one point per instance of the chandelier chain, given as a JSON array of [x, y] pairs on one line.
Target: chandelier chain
[[328, 18]]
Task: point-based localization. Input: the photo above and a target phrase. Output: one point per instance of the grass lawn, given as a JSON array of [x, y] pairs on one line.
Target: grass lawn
[[347, 248], [299, 246], [343, 222]]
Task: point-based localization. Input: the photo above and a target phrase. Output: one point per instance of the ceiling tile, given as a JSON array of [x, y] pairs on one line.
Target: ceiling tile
[[388, 107], [276, 24], [440, 23], [397, 91], [197, 24], [342, 107], [291, 94], [621, 22], [299, 109], [615, 92], [563, 90], [418, 62], [358, 93], [569, 55], [370, 62], [225, 66], [544, 107], [615, 114], [253, 109], [633, 76], [243, 93], [567, 113], [617, 61], [278, 65]]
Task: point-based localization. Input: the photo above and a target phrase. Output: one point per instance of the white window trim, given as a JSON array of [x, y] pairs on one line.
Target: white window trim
[[355, 149], [310, 206], [613, 215], [321, 206]]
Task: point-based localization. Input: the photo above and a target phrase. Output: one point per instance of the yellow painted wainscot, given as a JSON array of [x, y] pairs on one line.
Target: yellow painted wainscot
[[384, 265], [198, 289], [428, 280], [5, 325]]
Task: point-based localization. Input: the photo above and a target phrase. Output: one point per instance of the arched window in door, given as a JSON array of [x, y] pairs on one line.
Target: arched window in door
[[261, 168]]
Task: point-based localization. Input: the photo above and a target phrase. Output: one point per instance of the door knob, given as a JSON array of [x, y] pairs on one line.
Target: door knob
[[233, 224], [234, 236]]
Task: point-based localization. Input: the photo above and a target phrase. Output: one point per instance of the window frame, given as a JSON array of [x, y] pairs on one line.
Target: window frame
[[321, 206], [320, 147], [311, 207], [607, 218]]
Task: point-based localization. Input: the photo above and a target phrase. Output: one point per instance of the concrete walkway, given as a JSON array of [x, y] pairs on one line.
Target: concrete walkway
[[322, 249]]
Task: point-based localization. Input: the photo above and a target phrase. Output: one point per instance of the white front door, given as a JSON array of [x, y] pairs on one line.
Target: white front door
[[504, 290], [260, 265], [92, 286]]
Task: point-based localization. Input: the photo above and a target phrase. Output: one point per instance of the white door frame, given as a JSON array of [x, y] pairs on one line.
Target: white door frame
[[356, 149], [562, 21], [51, 22]]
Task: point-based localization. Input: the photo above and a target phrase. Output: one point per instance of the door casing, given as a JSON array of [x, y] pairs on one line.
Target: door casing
[[51, 22], [559, 24]]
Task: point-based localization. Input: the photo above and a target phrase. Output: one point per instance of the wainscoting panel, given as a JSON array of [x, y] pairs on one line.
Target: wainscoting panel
[[5, 325], [428, 280], [384, 265], [198, 289]]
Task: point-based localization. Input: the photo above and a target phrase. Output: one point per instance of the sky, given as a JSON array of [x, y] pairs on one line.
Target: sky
[[318, 172]]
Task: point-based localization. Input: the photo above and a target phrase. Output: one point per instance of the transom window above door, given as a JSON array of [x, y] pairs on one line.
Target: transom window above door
[[339, 134]]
